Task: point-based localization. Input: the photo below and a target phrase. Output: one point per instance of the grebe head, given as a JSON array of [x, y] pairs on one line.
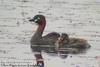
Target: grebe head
[[64, 36], [39, 19]]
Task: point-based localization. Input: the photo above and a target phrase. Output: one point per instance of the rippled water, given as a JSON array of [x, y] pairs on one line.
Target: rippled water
[[77, 18]]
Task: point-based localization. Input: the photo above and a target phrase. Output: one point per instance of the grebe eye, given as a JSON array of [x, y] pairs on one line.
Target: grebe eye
[[38, 18]]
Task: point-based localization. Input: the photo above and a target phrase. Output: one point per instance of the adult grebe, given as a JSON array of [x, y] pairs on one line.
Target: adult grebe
[[37, 38]]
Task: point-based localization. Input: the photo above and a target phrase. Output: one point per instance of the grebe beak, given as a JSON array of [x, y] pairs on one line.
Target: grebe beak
[[31, 20]]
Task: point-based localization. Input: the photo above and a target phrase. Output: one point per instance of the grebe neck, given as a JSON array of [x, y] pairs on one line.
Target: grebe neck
[[40, 29]]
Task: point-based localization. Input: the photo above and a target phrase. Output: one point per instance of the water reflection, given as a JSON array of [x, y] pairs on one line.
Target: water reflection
[[62, 52]]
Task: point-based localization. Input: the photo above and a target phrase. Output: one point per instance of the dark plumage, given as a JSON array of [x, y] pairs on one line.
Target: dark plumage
[[37, 38]]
